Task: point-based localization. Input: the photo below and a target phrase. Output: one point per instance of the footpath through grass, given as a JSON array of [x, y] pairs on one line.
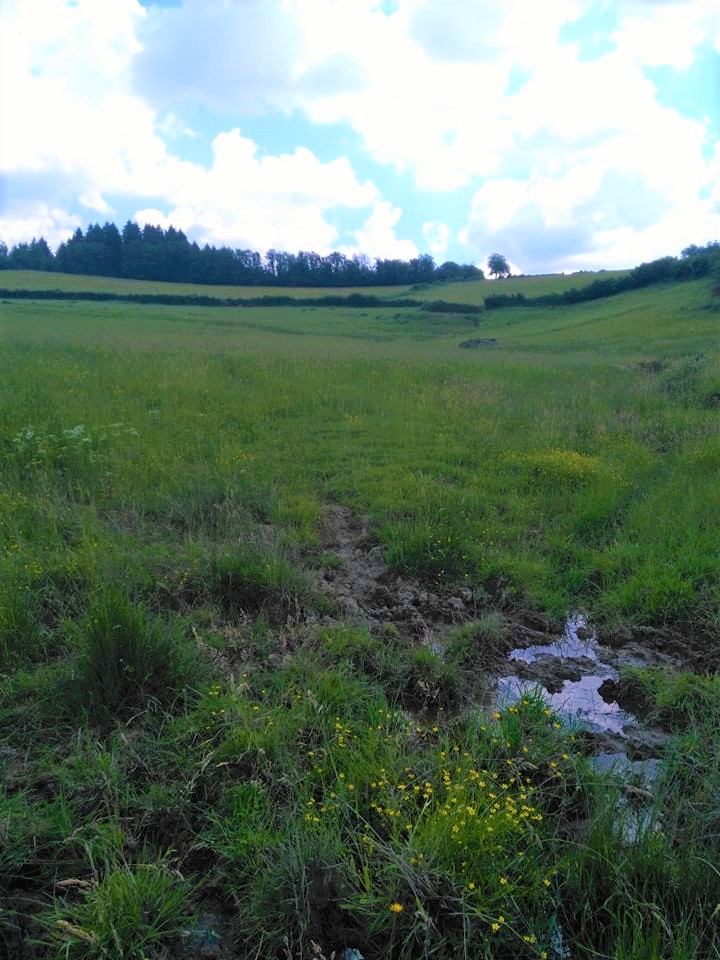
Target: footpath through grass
[[189, 732]]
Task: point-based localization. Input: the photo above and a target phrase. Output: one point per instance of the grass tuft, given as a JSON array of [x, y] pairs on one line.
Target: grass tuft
[[128, 657], [131, 912]]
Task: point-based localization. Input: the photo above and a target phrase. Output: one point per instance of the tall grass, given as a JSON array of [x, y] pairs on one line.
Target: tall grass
[[129, 657], [328, 785]]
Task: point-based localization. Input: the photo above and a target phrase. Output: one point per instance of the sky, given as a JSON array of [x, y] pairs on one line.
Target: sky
[[565, 134]]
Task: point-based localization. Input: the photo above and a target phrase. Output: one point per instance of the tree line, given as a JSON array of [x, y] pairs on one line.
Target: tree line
[[151, 253]]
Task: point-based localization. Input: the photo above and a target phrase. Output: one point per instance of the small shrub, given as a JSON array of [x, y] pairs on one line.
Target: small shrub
[[564, 467], [372, 655], [676, 700], [429, 680], [257, 579], [680, 381]]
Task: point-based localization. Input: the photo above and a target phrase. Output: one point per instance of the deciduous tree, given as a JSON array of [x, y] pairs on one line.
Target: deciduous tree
[[498, 265]]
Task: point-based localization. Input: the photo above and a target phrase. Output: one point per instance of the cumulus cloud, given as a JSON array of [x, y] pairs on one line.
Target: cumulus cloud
[[581, 160], [376, 238], [606, 178], [437, 119], [436, 236], [248, 200], [38, 220], [577, 222], [668, 34], [84, 138]]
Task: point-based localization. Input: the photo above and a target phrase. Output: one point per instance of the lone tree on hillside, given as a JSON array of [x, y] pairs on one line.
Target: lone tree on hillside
[[498, 265]]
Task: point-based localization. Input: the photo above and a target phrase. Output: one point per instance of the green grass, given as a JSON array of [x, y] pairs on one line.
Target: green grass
[[126, 914], [556, 462], [127, 657], [455, 292], [185, 733], [40, 280]]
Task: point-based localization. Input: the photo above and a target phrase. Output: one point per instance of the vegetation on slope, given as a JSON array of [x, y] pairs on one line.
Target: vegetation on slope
[[200, 751]]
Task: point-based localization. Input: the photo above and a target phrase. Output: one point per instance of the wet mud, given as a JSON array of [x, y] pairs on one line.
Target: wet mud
[[577, 674], [366, 592]]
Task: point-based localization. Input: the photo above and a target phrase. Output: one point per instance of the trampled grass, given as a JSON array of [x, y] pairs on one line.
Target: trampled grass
[[291, 779]]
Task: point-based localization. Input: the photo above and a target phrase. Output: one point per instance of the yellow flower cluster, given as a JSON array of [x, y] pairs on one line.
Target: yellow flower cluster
[[563, 466]]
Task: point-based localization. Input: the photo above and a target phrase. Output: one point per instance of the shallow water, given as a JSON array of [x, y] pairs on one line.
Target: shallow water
[[570, 645], [578, 700], [645, 772]]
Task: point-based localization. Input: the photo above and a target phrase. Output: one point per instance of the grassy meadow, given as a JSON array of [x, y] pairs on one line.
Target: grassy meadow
[[473, 291], [199, 752]]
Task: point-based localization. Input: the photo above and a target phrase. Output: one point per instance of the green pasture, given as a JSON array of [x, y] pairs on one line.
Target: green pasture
[[473, 291], [40, 280], [183, 736], [556, 461]]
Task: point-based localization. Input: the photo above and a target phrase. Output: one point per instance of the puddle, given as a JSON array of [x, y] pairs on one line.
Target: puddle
[[644, 772], [576, 643], [570, 673], [636, 815], [579, 701]]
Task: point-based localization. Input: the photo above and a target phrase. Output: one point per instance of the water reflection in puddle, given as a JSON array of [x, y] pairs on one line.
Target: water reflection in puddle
[[580, 699], [576, 643], [576, 667]]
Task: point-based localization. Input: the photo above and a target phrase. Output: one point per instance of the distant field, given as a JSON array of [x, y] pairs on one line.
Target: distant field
[[39, 280], [663, 320], [475, 291], [198, 739], [460, 292]]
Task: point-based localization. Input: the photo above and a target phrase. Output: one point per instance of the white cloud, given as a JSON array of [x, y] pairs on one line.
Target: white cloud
[[437, 119], [377, 236], [247, 200], [436, 236], [40, 220], [668, 34], [586, 218], [172, 126], [456, 31], [607, 177]]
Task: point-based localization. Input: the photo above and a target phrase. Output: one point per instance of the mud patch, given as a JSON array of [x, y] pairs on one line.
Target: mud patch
[[575, 673], [365, 592]]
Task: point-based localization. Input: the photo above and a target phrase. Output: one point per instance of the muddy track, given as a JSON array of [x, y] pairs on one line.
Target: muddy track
[[367, 593], [577, 671]]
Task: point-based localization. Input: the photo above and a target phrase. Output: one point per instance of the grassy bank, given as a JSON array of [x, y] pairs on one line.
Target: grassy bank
[[194, 740], [455, 292]]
